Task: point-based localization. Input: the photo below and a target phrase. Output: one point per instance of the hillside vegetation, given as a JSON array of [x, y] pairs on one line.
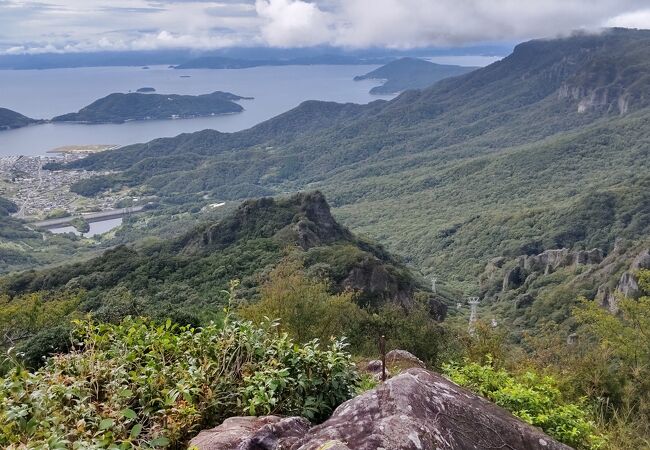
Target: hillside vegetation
[[369, 291], [500, 161]]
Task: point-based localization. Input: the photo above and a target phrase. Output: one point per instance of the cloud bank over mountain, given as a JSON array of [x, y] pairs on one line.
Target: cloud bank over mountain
[[28, 26]]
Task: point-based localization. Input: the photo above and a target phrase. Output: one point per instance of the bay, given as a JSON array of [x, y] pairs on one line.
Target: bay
[[43, 94]]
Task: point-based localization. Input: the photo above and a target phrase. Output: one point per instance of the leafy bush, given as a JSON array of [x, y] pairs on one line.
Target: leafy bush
[[24, 316], [307, 310], [140, 385], [622, 376], [305, 307], [533, 398]]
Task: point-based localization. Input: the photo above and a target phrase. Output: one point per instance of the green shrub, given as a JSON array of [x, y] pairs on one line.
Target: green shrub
[[139, 384], [533, 398]]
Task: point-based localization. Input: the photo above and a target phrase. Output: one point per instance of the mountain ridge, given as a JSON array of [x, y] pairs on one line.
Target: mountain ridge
[[497, 134]]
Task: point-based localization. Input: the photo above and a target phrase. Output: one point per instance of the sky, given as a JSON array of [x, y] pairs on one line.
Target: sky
[[89, 25]]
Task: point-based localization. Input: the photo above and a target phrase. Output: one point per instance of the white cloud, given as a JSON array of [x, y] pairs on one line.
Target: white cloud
[[636, 19], [75, 25], [289, 23]]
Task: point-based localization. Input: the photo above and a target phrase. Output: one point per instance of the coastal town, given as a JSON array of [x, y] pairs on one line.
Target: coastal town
[[41, 193]]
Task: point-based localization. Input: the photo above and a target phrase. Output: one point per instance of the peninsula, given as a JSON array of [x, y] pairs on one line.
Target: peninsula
[[410, 73], [11, 119]]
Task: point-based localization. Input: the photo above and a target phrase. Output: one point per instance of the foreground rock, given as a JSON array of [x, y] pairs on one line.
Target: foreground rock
[[417, 410], [252, 433]]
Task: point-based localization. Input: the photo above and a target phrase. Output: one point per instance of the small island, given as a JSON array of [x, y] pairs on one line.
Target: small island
[[143, 90], [120, 108], [410, 73], [11, 119]]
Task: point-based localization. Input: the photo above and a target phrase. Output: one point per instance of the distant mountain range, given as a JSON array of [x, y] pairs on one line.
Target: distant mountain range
[[11, 119], [119, 108], [543, 149], [222, 62], [410, 73], [306, 55]]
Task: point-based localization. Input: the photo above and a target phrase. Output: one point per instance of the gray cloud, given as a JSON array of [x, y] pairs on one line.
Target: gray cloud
[[81, 25]]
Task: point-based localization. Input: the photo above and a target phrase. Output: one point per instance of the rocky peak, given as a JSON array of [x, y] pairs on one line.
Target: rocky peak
[[303, 219]]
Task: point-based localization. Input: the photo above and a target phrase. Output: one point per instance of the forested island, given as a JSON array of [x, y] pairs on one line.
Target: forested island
[[11, 119], [410, 73], [119, 107]]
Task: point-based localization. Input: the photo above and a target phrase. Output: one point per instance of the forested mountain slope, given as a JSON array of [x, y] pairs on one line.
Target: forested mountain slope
[[545, 148], [191, 272], [23, 248]]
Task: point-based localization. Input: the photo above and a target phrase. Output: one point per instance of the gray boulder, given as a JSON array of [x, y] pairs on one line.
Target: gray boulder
[[420, 410], [404, 357], [417, 410], [252, 433], [642, 261]]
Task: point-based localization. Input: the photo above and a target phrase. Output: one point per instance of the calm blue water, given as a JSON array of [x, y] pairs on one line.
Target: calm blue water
[[96, 228], [46, 93]]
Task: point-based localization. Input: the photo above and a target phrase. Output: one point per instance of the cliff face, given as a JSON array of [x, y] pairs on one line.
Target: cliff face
[[589, 273], [627, 285], [528, 267]]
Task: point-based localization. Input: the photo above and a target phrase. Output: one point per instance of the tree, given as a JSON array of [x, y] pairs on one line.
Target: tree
[[625, 339], [305, 307]]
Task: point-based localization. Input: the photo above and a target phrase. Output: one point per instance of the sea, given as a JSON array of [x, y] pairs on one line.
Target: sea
[[43, 94]]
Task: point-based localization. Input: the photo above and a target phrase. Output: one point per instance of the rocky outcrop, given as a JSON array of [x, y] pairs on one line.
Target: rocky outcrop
[[524, 300], [403, 357], [417, 410], [304, 219], [642, 261], [513, 278], [627, 286], [374, 369], [396, 361], [437, 308], [491, 273], [550, 260], [528, 267], [371, 276], [607, 99]]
